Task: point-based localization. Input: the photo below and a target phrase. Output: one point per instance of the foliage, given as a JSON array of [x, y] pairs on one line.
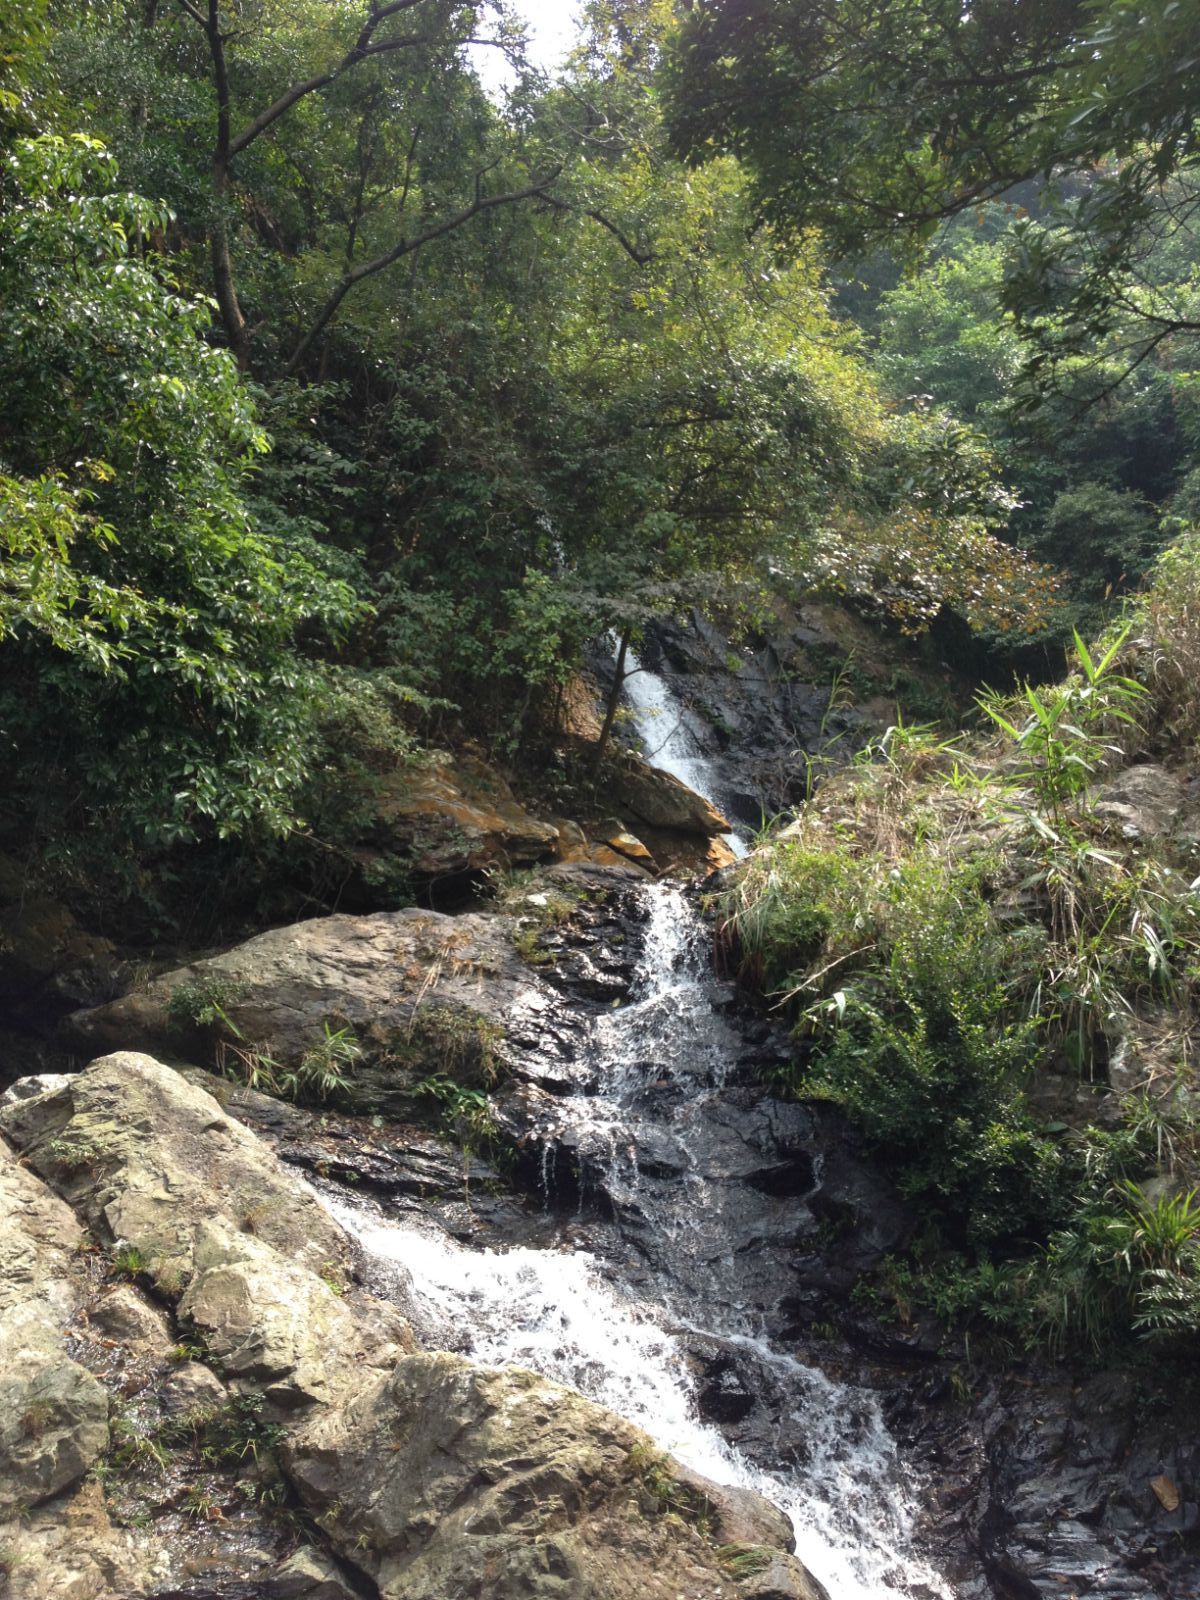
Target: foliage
[[876, 122], [1067, 735], [147, 623], [204, 1001], [464, 1112], [951, 929]]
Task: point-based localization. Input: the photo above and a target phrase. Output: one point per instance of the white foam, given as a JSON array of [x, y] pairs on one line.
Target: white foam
[[552, 1311]]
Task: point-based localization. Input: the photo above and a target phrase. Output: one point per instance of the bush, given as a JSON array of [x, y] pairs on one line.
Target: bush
[[924, 1052]]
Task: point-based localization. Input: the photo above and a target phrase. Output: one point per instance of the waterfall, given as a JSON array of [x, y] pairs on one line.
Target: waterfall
[[567, 1314], [668, 737]]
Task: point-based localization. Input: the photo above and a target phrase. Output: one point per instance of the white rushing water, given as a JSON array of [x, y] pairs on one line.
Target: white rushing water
[[556, 1311], [662, 725]]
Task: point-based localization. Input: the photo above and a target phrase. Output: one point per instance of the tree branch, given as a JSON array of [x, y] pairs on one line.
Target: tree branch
[[405, 247], [642, 257]]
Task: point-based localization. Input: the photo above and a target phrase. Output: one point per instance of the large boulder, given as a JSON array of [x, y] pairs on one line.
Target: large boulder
[[53, 1413], [656, 797], [278, 991], [454, 815], [147, 1159], [183, 1193], [445, 1479]]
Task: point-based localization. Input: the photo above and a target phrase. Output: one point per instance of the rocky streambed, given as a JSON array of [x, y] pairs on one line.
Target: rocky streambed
[[256, 1349]]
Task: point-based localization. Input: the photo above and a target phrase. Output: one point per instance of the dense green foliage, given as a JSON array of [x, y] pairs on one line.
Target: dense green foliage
[[344, 404], [148, 625], [1057, 314], [874, 121]]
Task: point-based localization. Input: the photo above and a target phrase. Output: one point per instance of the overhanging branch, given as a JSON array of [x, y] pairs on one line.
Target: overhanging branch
[[405, 247]]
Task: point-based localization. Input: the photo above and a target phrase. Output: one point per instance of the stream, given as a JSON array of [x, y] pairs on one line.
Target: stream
[[661, 1067], [698, 1176]]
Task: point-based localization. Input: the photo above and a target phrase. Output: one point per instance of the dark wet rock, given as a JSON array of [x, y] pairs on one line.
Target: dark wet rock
[[724, 1396], [758, 712]]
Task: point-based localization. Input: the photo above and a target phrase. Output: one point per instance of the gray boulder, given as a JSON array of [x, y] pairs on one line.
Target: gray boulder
[[447, 1479], [1141, 802], [387, 977], [147, 1159]]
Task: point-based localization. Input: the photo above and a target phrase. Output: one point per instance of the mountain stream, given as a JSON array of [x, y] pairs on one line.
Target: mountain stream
[[648, 1129]]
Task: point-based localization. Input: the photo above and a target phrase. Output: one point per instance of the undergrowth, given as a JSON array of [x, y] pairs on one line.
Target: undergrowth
[[999, 987]]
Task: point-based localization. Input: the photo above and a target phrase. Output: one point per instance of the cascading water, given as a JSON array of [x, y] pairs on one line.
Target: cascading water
[[667, 737], [652, 1139]]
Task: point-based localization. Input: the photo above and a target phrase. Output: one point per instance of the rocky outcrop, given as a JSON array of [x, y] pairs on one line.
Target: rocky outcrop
[[53, 1413], [154, 1165], [453, 815], [463, 1481], [277, 991], [438, 1479], [658, 798], [815, 683], [422, 993], [188, 1196]]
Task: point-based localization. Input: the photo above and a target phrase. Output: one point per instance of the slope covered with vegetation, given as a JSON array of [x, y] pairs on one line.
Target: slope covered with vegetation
[[343, 404], [989, 949]]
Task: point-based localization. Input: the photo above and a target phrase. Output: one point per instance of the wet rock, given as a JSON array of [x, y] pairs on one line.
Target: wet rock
[[724, 1396], [308, 1575], [755, 712]]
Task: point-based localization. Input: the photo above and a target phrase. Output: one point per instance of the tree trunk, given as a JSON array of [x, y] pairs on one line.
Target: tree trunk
[[224, 285], [614, 699]]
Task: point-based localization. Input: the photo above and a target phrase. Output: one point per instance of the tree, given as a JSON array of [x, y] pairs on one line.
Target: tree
[[151, 675], [355, 128], [875, 121]]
